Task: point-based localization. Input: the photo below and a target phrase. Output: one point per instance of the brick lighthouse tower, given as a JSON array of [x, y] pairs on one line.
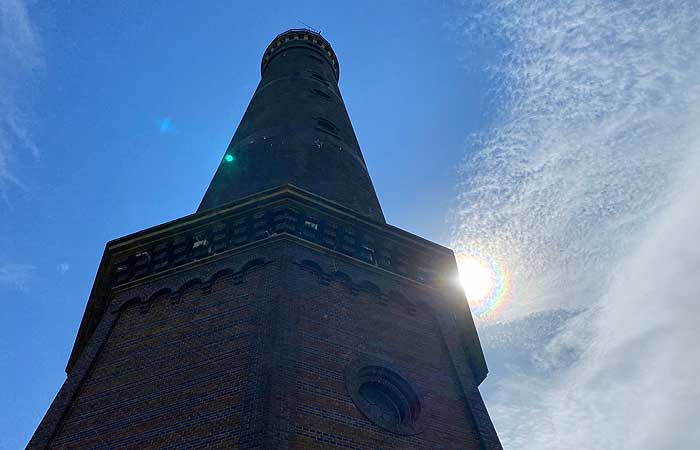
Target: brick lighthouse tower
[[285, 313]]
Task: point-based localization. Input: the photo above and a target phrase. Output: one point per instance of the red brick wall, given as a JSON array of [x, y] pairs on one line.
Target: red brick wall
[[258, 360], [177, 373], [336, 327]]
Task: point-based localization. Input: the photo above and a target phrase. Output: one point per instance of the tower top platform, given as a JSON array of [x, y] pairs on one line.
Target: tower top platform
[[300, 38]]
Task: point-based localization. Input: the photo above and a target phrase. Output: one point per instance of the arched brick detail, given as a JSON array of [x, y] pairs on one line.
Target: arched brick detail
[[189, 284], [119, 306], [252, 264], [220, 274], [370, 288]]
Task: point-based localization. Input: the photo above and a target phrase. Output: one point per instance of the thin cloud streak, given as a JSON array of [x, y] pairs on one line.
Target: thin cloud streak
[[586, 187], [20, 56], [16, 275]]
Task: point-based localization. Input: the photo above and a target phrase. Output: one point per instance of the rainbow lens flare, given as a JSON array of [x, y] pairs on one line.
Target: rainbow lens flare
[[486, 284]]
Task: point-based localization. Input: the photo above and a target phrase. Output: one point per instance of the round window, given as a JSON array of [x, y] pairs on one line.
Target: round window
[[381, 402], [384, 397]]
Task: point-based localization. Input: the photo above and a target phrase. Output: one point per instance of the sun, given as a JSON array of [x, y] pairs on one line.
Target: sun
[[476, 277]]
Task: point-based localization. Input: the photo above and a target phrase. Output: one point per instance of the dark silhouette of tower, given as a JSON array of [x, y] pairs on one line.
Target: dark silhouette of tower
[[285, 313]]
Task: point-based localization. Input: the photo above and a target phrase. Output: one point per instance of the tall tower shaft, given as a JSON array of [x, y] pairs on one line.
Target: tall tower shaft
[[296, 131], [285, 313]]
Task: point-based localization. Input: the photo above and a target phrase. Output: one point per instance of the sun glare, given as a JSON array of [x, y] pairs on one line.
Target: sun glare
[[476, 277], [486, 283]]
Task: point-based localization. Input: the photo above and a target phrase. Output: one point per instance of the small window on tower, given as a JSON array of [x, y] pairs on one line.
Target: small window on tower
[[317, 76], [321, 93], [327, 126]]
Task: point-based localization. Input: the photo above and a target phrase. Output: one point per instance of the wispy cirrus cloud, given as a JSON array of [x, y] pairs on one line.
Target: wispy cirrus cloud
[[16, 275], [586, 188], [20, 56]]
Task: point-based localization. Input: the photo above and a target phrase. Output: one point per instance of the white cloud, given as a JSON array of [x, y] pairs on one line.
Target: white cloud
[[20, 55], [63, 268], [587, 189], [16, 275]]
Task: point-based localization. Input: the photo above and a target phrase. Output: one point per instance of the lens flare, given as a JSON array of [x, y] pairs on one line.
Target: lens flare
[[166, 125], [486, 284]]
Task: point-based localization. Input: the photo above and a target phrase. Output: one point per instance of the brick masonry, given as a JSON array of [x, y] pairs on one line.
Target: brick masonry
[[250, 351]]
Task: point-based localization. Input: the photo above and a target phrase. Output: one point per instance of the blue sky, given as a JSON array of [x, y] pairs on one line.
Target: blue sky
[[130, 107], [557, 138]]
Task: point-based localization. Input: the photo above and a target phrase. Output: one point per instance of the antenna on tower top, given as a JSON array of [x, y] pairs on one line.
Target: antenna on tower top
[[309, 27]]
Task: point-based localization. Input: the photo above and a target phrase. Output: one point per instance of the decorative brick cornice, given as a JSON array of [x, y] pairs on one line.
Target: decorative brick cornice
[[286, 210], [301, 37], [372, 245], [354, 287], [205, 286]]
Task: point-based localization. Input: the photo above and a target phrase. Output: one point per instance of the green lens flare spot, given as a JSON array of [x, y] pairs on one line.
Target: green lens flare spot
[[228, 158]]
